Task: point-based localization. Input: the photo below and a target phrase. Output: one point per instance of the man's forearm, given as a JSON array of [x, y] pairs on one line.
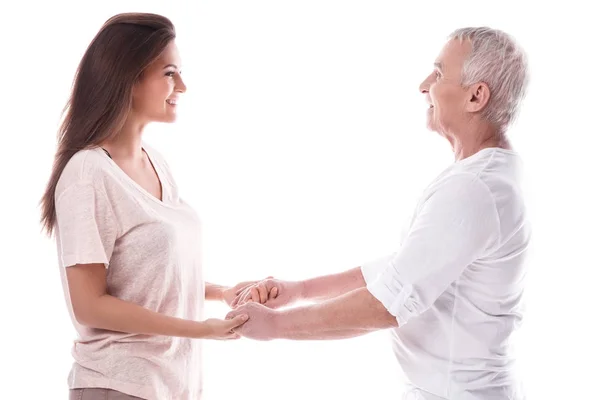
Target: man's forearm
[[352, 314], [328, 335], [331, 286], [214, 292]]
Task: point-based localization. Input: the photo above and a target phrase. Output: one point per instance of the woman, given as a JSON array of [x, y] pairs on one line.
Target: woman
[[128, 244]]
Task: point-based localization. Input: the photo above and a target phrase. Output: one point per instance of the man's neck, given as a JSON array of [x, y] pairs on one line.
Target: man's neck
[[474, 139]]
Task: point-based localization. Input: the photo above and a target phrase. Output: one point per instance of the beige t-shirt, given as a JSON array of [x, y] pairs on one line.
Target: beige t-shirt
[[152, 252]]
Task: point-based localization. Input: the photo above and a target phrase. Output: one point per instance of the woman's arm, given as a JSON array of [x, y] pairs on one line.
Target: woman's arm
[[214, 292], [93, 307]]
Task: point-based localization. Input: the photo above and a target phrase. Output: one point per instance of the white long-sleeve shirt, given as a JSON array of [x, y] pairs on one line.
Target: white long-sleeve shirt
[[455, 284]]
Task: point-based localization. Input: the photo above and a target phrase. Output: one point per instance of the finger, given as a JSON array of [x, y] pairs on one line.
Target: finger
[[272, 304], [273, 293], [275, 302], [255, 295], [243, 297], [249, 296], [231, 336], [235, 322], [240, 290], [236, 301], [263, 294], [245, 286]]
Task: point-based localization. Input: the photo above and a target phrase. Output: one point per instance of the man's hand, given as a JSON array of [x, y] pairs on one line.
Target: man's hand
[[273, 293], [261, 324], [230, 294]]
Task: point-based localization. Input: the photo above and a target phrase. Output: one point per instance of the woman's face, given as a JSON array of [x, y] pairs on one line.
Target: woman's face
[[155, 96]]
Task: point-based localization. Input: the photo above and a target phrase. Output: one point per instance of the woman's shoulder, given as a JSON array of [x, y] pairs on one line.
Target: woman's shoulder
[[86, 166]]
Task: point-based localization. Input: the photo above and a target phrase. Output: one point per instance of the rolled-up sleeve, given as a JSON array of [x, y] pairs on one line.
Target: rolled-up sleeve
[[457, 224], [372, 269]]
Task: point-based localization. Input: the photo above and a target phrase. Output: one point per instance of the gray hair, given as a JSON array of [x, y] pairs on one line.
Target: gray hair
[[497, 60]]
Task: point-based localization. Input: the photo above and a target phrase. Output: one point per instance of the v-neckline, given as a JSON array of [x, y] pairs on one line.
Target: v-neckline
[[140, 188]]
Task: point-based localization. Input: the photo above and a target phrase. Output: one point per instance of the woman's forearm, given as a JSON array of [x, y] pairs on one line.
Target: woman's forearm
[[111, 313], [214, 292]]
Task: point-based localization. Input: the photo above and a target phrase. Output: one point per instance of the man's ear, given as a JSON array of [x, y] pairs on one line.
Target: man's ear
[[479, 97]]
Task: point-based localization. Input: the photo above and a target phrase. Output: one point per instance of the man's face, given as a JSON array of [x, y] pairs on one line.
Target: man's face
[[446, 97]]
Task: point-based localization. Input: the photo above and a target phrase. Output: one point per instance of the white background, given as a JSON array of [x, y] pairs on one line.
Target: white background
[[301, 143]]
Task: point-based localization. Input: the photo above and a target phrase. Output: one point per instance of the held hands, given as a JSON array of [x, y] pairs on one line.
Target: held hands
[[256, 300], [261, 324], [230, 294], [273, 293], [240, 294]]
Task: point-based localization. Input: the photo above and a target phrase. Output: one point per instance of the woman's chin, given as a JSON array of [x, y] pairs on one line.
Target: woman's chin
[[168, 119]]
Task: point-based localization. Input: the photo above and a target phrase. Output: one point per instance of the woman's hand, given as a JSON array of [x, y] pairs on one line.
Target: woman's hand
[[219, 329]]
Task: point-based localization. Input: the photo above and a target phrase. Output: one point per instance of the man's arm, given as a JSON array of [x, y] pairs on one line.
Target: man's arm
[[352, 314], [282, 293], [456, 226], [331, 286]]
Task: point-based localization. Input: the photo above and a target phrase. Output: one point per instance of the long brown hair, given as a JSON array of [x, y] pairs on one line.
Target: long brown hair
[[102, 90]]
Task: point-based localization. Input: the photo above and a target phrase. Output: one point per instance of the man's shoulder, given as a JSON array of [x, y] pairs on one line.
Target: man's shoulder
[[458, 182]]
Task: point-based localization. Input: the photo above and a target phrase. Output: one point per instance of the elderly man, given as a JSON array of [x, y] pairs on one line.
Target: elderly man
[[452, 291]]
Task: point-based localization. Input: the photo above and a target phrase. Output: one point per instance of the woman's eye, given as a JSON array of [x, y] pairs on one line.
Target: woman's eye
[[170, 73]]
